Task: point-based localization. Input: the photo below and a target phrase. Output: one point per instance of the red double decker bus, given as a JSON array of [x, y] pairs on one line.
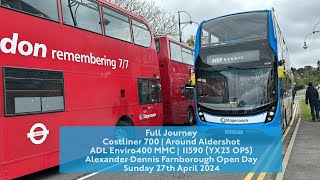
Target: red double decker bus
[[176, 66], [70, 63]]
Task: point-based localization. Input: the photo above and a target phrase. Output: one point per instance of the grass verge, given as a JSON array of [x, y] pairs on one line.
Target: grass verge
[[305, 111]]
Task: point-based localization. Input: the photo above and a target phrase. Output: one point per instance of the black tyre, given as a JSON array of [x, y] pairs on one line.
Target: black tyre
[[191, 118], [123, 130], [124, 123]]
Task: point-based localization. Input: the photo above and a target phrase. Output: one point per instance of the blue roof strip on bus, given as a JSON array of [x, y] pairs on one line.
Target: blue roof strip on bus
[[197, 44], [273, 40], [274, 46]]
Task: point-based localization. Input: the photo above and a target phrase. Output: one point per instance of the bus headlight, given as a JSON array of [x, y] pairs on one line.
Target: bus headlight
[[201, 115], [269, 119], [270, 114]]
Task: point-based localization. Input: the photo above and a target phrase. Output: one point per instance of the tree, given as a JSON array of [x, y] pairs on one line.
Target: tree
[[304, 75], [162, 23], [308, 67], [191, 41]]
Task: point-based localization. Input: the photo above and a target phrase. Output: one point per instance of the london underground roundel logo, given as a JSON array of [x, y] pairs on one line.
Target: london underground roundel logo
[[43, 132]]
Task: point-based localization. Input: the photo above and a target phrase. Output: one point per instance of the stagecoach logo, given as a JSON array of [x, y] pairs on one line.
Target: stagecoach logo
[[147, 116], [43, 132], [222, 120], [232, 120]]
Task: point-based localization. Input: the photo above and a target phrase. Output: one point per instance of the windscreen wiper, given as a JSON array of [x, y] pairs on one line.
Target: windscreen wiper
[[211, 69], [232, 67]]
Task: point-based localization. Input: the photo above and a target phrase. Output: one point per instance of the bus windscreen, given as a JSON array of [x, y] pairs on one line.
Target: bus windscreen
[[236, 89]]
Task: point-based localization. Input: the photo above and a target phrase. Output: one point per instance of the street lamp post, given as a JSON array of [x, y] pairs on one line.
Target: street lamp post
[[315, 26], [305, 46], [186, 23]]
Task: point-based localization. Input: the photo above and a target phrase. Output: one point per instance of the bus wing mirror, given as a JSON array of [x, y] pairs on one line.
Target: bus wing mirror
[[193, 81], [281, 72], [192, 77]]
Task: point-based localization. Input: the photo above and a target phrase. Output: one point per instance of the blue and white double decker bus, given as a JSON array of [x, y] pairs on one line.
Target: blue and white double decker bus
[[242, 72]]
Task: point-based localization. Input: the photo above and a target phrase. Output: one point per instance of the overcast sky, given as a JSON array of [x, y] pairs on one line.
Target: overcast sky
[[296, 19]]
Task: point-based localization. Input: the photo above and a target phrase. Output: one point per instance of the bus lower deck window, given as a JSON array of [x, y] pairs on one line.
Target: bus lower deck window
[[30, 91]]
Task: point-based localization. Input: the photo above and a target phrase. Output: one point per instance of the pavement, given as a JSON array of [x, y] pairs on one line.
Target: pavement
[[304, 161]]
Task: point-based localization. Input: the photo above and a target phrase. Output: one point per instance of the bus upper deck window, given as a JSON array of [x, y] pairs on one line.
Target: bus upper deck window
[[141, 34], [116, 25], [83, 14], [44, 9]]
